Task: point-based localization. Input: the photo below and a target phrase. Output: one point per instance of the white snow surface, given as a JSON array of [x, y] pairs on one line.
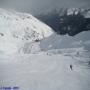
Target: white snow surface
[[30, 64], [46, 71], [19, 28]]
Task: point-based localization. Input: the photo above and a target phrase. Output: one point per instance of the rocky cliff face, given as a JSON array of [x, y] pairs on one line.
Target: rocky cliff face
[[68, 21]]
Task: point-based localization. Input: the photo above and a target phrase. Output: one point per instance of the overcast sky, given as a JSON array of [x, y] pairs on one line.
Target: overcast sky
[[37, 6]]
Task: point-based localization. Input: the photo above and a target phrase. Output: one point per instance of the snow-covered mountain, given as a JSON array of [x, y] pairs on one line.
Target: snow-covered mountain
[[17, 29], [62, 42], [75, 20], [86, 12], [48, 69], [23, 33]]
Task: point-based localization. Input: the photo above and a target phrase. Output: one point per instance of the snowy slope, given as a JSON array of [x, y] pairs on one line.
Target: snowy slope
[[19, 32], [49, 67], [44, 72], [16, 29], [81, 40]]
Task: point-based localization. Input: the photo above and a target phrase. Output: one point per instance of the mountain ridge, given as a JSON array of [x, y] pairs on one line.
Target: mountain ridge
[[17, 29]]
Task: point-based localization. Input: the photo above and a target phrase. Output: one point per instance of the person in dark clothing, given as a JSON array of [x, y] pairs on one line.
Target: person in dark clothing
[[71, 67], [89, 63]]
